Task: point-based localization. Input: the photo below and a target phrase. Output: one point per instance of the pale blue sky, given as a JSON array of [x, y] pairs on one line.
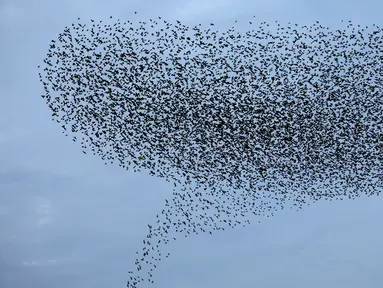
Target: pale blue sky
[[67, 220]]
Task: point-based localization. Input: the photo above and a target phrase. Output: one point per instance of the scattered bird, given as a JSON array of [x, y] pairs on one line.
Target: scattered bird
[[259, 121]]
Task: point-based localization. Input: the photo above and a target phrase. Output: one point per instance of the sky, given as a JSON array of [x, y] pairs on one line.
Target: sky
[[68, 220]]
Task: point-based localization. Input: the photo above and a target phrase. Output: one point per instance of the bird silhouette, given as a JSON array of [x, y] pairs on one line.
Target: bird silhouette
[[246, 124]]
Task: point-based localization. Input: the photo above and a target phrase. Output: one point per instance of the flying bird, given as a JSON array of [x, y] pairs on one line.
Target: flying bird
[[256, 121]]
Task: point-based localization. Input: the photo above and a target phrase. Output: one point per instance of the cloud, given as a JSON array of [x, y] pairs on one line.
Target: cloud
[[199, 9], [27, 210], [43, 209]]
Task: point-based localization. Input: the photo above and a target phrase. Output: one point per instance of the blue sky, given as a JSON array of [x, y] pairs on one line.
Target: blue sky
[[67, 220]]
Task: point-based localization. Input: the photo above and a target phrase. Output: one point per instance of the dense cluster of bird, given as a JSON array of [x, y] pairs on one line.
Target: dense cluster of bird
[[245, 123]]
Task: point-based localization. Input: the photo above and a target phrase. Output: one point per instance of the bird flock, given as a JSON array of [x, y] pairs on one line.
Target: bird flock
[[245, 124]]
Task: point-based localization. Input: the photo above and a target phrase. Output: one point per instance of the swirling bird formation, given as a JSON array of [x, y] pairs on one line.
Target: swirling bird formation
[[245, 123]]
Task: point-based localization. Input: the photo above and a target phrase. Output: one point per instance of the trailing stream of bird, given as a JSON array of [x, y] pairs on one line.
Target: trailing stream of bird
[[244, 124]]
